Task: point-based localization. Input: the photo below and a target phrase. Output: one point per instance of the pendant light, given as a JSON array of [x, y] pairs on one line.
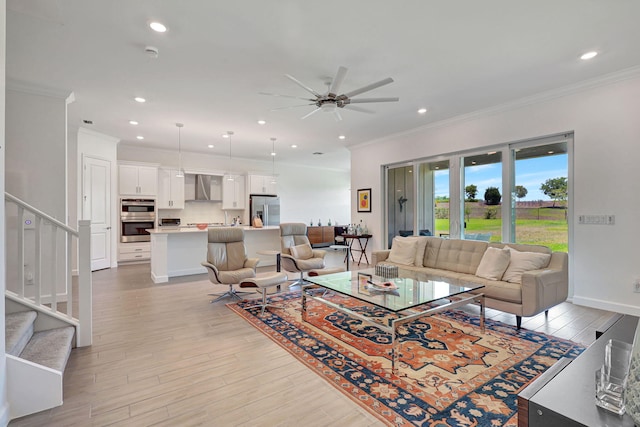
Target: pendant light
[[273, 160], [228, 135], [180, 173]]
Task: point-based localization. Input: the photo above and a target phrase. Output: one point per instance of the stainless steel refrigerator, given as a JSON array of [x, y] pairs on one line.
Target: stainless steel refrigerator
[[267, 208]]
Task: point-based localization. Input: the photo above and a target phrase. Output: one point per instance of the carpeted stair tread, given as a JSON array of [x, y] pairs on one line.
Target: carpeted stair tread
[[50, 348], [18, 331]]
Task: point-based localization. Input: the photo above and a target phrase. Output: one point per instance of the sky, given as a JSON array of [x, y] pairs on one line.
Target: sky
[[530, 173]]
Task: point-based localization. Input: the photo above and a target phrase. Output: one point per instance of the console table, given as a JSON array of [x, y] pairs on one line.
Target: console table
[[565, 394], [352, 238]]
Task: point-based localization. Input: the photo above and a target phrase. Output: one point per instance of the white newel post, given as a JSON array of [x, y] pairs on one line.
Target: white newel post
[[85, 291]]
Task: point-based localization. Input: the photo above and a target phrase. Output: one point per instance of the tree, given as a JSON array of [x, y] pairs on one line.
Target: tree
[[555, 189], [492, 196], [472, 191], [521, 191]]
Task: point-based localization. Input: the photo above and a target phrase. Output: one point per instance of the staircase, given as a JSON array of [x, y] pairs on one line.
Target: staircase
[[41, 326], [41, 356]]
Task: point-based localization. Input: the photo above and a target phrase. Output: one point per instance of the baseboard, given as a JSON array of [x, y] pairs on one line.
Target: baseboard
[[159, 279], [632, 310]]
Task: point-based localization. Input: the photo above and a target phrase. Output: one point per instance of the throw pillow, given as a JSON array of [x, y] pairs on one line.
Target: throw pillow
[[524, 261], [493, 264], [403, 251], [421, 245], [303, 251]]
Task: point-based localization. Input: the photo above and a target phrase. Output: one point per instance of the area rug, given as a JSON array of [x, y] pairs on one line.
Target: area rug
[[450, 373]]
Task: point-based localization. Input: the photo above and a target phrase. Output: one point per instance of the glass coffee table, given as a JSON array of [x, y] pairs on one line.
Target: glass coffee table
[[405, 297]]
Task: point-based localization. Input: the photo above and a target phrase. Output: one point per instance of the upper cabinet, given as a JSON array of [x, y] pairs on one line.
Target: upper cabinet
[[138, 180], [233, 192], [170, 189], [262, 184]]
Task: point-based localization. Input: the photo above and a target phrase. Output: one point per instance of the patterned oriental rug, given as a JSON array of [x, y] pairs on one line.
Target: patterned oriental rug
[[450, 374]]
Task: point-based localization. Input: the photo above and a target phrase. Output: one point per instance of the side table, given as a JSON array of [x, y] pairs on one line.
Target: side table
[[343, 247], [362, 249]]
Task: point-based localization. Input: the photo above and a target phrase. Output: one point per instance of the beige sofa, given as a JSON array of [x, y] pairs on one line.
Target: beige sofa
[[457, 261]]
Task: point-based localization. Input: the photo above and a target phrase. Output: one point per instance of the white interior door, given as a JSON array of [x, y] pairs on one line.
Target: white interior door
[[97, 208]]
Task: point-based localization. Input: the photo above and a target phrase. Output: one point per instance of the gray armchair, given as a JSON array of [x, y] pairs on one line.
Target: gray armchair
[[293, 236], [227, 262]]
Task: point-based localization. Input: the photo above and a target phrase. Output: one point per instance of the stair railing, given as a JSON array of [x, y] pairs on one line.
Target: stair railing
[[53, 246]]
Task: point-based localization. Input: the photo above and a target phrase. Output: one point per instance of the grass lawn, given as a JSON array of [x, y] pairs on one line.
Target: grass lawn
[[551, 231]]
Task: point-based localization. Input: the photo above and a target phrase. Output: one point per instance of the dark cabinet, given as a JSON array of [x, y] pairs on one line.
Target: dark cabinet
[[321, 236]]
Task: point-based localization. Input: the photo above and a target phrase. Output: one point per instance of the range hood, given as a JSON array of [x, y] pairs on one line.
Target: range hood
[[203, 189]]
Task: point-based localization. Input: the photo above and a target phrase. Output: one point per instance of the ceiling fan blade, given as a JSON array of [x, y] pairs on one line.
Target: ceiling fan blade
[[285, 96], [369, 87], [336, 115], [291, 106], [302, 85], [366, 100], [307, 115], [358, 109], [337, 80]]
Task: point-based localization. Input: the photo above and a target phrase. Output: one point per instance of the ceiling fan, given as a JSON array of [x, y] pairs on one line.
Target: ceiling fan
[[330, 101]]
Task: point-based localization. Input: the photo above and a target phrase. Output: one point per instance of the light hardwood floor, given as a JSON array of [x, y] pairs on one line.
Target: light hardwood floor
[[163, 355]]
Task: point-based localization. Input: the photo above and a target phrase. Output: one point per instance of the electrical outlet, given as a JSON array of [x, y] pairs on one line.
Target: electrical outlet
[[636, 285]]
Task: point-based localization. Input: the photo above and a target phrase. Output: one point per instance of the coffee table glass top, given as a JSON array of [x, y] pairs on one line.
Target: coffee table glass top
[[408, 293]]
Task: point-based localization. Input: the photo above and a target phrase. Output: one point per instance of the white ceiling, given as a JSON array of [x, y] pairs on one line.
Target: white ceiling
[[453, 57]]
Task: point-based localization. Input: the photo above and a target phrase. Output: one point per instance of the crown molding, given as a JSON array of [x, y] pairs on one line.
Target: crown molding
[[32, 89]]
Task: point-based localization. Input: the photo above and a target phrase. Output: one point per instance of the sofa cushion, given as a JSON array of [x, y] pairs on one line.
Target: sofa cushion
[[493, 264], [403, 251], [462, 256], [524, 261], [421, 244], [494, 289], [303, 251]]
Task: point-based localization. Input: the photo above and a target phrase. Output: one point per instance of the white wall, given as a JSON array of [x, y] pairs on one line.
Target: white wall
[[97, 145], [36, 147], [604, 117], [305, 193], [4, 408]]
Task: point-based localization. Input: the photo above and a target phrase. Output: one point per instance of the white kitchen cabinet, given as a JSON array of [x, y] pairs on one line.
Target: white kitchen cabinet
[[139, 251], [137, 180], [233, 192], [262, 184], [170, 189]]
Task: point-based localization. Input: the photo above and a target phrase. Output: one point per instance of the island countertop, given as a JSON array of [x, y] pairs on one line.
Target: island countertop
[[172, 230], [178, 251]]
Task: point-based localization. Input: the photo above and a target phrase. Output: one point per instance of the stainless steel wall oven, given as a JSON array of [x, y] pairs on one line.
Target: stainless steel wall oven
[[136, 215]]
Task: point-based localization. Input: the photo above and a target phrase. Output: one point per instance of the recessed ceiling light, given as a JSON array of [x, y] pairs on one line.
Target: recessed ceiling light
[[262, 122], [225, 135], [273, 153], [133, 122], [139, 99], [422, 111], [140, 137], [210, 145], [294, 146], [157, 26], [550, 152], [473, 162], [589, 55], [341, 137], [491, 152]]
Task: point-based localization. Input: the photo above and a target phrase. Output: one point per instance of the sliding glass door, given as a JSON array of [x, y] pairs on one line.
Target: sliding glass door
[[516, 192]]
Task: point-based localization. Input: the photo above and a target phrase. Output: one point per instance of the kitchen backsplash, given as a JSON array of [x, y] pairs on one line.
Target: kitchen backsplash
[[200, 212]]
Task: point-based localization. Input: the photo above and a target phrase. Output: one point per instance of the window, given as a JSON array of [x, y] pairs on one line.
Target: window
[[517, 192]]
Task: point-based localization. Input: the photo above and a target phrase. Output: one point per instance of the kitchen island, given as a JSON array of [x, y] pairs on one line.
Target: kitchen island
[[178, 251]]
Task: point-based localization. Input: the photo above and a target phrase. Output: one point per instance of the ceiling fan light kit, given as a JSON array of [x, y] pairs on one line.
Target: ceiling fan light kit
[[331, 101]]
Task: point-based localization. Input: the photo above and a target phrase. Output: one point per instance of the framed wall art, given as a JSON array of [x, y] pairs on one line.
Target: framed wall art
[[364, 200]]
